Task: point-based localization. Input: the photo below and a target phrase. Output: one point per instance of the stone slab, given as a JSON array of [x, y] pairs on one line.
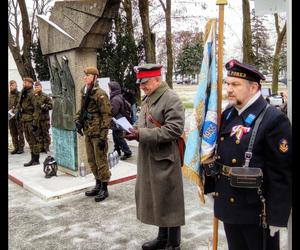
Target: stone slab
[[32, 179]]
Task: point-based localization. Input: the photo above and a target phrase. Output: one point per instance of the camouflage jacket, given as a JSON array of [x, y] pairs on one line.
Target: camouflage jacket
[[26, 106], [99, 111], [43, 104], [13, 100]]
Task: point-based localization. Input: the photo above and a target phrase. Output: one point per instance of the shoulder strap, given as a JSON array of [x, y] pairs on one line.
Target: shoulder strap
[[248, 153]]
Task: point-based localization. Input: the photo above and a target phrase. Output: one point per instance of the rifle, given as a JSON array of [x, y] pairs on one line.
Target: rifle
[[84, 115]]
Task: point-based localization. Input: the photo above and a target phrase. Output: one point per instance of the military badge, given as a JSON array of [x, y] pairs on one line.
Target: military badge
[[283, 145], [239, 131]]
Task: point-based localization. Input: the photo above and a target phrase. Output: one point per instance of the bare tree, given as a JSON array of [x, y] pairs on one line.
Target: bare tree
[[21, 27], [276, 59], [148, 36], [248, 56], [167, 10]]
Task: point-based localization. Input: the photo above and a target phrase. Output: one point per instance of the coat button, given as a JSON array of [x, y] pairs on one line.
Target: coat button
[[218, 157], [231, 199], [237, 142], [222, 138], [233, 161], [215, 194]]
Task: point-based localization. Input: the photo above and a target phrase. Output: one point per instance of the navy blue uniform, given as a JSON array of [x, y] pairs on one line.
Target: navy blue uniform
[[239, 208]]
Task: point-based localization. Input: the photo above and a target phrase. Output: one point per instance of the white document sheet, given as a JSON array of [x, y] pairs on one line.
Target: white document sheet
[[123, 123]]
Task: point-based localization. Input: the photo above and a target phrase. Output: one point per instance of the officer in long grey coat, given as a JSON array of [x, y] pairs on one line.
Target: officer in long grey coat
[[159, 188], [252, 217]]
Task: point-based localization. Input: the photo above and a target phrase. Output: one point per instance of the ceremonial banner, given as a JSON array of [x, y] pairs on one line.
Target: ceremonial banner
[[202, 136]]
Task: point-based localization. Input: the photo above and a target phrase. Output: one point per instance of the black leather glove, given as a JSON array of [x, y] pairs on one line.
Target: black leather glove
[[78, 125], [133, 135], [102, 144], [34, 128]]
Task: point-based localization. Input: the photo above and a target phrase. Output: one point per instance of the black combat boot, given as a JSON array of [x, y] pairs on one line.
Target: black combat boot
[[174, 238], [103, 193], [160, 242], [15, 151], [20, 151], [95, 190], [36, 159], [30, 162]]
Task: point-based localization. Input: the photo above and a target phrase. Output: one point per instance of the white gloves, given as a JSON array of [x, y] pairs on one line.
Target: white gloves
[[274, 229]]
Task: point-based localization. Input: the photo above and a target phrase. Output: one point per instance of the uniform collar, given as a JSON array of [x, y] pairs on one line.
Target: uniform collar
[[157, 94], [252, 112], [249, 103]]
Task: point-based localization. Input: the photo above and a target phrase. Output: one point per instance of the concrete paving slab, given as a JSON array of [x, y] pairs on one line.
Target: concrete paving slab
[[33, 179]]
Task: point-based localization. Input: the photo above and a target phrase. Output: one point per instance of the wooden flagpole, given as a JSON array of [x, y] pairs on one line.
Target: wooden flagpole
[[221, 4]]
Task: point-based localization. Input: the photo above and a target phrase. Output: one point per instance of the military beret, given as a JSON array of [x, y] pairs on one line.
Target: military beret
[[91, 70], [244, 71], [28, 79], [147, 71]]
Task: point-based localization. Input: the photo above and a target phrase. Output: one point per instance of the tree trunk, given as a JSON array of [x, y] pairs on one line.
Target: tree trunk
[[23, 61], [276, 59], [148, 36], [248, 56], [128, 10], [169, 76]]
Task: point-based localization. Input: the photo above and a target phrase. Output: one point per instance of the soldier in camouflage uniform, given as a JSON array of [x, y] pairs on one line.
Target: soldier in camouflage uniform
[[15, 125], [26, 110], [44, 104], [95, 118]]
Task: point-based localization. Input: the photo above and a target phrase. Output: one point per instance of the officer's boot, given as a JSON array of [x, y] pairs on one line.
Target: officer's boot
[[15, 151], [20, 151], [174, 238], [95, 190], [103, 193], [160, 242], [36, 158], [30, 162]]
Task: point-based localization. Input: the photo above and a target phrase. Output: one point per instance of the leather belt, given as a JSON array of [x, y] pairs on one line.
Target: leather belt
[[224, 169]]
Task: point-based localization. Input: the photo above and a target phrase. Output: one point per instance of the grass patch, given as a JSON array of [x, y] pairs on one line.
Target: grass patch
[[188, 105]]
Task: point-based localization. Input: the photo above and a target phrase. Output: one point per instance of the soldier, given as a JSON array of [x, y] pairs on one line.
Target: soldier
[[25, 109], [15, 125], [44, 104], [95, 118], [252, 216], [159, 187]]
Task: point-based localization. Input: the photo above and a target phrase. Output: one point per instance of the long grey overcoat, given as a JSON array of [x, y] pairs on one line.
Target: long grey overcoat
[[159, 188]]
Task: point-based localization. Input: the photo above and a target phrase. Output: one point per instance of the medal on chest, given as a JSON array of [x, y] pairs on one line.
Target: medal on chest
[[239, 131]]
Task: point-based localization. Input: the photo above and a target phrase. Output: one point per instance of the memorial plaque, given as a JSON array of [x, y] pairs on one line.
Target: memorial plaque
[[65, 148]]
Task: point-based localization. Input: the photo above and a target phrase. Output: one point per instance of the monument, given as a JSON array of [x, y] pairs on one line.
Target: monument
[[70, 38]]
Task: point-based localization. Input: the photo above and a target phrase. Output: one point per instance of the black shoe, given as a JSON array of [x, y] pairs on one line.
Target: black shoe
[[95, 190], [15, 151], [155, 244], [31, 163], [172, 248], [125, 156], [20, 151], [103, 193]]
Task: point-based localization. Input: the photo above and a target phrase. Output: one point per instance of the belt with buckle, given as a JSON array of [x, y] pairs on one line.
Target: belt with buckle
[[224, 169]]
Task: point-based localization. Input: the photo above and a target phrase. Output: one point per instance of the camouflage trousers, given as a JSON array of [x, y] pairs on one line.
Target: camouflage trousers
[[16, 132], [45, 138], [32, 138], [97, 159]]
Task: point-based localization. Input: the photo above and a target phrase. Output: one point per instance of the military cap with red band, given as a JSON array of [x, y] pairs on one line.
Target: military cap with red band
[[243, 70], [147, 71]]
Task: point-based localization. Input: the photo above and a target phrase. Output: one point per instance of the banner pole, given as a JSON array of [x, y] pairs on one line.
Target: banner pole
[[221, 4]]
